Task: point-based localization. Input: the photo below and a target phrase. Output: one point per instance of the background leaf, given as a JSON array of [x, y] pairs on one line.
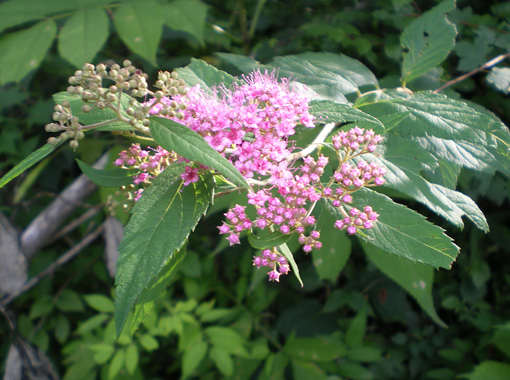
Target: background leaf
[[23, 51], [499, 77], [161, 222], [427, 41], [207, 76], [139, 25], [83, 35], [188, 16], [415, 278], [178, 138]]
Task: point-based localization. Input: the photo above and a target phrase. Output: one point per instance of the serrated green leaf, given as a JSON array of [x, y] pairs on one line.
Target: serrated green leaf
[[107, 178], [404, 160], [319, 349], [161, 222], [489, 369], [150, 294], [83, 35], [427, 41], [139, 25], [23, 51], [32, 159], [96, 115], [415, 278], [192, 357], [446, 174], [336, 248], [450, 129], [331, 112], [187, 16], [99, 302], [242, 62], [330, 75], [267, 239], [222, 360], [403, 232], [178, 138], [499, 77], [205, 75]]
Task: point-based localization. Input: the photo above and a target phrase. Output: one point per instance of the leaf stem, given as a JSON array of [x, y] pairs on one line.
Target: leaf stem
[[486, 65]]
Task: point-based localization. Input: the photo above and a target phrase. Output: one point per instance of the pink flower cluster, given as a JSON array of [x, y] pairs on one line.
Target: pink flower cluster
[[150, 163], [250, 124]]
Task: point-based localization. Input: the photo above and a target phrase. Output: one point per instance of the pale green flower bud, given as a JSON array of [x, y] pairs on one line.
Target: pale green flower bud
[[73, 144], [53, 140]]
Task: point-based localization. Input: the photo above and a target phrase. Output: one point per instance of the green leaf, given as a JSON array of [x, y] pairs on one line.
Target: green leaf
[[227, 339], [178, 138], [102, 352], [415, 278], [92, 323], [403, 232], [450, 129], [284, 249], [116, 364], [99, 303], [446, 174], [96, 115], [69, 301], [222, 360], [489, 370], [499, 77], [354, 371], [32, 159], [149, 342], [161, 222], [364, 354], [319, 349], [188, 16], [267, 239], [23, 51], [150, 294], [304, 370], [16, 12], [336, 248], [139, 25], [331, 112], [242, 62], [207, 76], [83, 35], [330, 75], [356, 330], [427, 41], [404, 160], [132, 357], [192, 358], [107, 178]]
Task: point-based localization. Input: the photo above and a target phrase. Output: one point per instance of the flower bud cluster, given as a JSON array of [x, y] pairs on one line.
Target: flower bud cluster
[[65, 123], [274, 260]]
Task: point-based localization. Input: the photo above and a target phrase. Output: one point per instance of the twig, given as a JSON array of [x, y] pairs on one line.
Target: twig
[[75, 223], [486, 65], [314, 144], [48, 221], [59, 262]]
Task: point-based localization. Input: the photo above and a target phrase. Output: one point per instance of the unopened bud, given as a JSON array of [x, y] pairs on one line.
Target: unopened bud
[[73, 144], [53, 140]]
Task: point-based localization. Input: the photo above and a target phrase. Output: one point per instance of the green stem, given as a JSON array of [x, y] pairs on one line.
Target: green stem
[[254, 21]]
